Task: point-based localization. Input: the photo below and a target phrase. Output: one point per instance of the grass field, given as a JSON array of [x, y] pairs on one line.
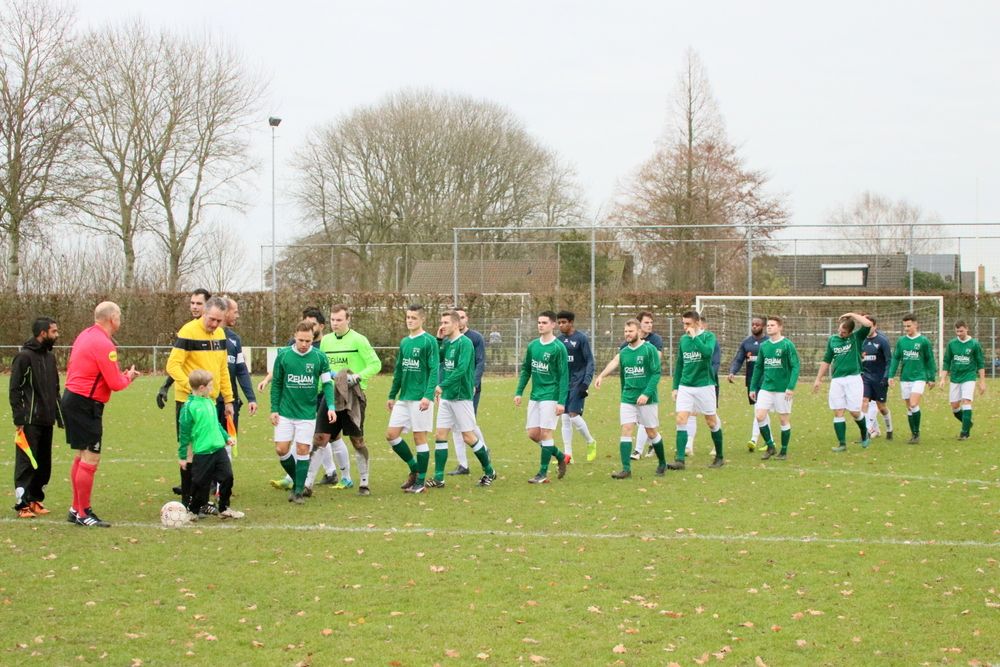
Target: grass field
[[884, 556]]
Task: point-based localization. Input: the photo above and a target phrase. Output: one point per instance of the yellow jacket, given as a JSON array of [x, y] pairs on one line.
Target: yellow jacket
[[195, 349]]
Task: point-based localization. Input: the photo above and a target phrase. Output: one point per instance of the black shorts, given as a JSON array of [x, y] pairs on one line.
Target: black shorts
[[575, 399], [342, 425], [875, 390], [83, 419]]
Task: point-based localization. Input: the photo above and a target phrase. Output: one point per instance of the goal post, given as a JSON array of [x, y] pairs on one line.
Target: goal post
[[810, 320]]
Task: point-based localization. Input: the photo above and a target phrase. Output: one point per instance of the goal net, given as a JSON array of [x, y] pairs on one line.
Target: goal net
[[811, 320]]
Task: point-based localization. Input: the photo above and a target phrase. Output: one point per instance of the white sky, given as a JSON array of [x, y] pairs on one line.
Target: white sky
[[901, 98]]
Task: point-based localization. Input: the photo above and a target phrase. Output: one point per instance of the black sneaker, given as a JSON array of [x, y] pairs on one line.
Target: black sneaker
[[91, 521], [364, 491], [410, 481], [915, 440], [621, 474], [963, 436], [487, 480], [209, 510], [434, 483], [416, 488], [677, 464], [717, 462], [71, 515], [660, 470], [178, 491], [298, 499], [460, 470], [771, 451], [539, 479], [329, 479], [888, 435], [781, 457]]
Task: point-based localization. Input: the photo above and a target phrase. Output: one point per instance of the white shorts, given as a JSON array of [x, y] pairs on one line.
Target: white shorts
[[407, 414], [846, 393], [541, 414], [962, 391], [916, 387], [294, 430], [644, 415], [773, 400], [456, 414], [699, 400]]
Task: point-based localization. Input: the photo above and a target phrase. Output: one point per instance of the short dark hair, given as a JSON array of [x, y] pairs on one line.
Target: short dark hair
[[451, 315], [41, 324], [567, 315], [304, 325], [202, 291], [762, 319], [910, 317], [549, 314], [415, 308], [338, 307], [871, 317], [691, 315], [773, 318], [959, 323], [848, 324], [315, 313], [643, 314]]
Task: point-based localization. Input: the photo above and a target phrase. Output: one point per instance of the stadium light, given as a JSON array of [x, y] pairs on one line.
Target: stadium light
[[274, 122]]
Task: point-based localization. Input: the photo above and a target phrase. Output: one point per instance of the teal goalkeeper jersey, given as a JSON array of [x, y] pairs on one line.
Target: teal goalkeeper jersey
[[963, 360], [458, 369], [353, 352], [777, 366], [416, 371], [915, 357], [844, 354], [547, 366], [296, 377], [639, 372], [694, 361]]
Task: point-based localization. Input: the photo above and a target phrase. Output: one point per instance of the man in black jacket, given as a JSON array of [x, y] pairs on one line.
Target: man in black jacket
[[34, 401]]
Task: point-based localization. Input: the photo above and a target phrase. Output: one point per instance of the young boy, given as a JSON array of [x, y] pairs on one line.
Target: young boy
[[203, 436]]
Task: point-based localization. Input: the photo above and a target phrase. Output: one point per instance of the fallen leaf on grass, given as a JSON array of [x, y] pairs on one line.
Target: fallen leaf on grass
[[703, 659], [747, 624], [537, 659], [759, 661], [529, 640], [326, 632], [671, 614], [483, 656], [619, 648], [451, 653], [800, 642]]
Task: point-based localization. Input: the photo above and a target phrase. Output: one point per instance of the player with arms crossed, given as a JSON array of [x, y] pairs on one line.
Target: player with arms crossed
[[638, 365], [876, 355], [694, 387], [546, 365], [964, 362], [581, 372], [914, 358], [843, 359], [773, 384], [748, 351], [413, 381]]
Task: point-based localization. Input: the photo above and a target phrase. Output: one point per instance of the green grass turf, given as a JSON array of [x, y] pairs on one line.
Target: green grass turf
[[884, 556]]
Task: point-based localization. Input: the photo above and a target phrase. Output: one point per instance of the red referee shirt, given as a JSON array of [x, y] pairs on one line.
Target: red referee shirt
[[93, 366]]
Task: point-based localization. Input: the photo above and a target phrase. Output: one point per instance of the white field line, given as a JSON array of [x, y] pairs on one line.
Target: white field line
[[213, 524]]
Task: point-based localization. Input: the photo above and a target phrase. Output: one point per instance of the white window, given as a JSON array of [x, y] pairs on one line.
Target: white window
[[845, 275]]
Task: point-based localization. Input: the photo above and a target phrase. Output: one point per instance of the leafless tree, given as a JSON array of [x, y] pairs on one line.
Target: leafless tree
[[696, 179], [221, 259], [38, 120], [875, 225]]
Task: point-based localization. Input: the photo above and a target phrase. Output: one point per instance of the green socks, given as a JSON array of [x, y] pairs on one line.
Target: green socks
[[658, 448], [863, 427], [765, 432], [301, 470], [483, 454], [840, 428], [682, 441], [441, 458], [423, 459], [966, 421], [717, 441], [288, 465], [786, 436], [403, 451], [625, 453]]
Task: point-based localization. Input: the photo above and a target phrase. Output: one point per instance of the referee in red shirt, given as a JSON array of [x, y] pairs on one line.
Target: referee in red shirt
[[91, 375]]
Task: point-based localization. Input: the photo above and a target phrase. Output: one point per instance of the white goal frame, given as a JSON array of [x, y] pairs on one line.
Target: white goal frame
[[703, 299]]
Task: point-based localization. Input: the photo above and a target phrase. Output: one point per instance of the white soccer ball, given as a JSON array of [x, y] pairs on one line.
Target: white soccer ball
[[173, 515]]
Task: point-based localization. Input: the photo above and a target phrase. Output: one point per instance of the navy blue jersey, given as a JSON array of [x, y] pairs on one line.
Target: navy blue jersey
[[239, 374], [747, 353], [653, 339], [581, 359], [479, 350], [876, 355], [716, 362]]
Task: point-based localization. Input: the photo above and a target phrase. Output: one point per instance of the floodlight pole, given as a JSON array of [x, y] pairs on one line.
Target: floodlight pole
[[274, 122], [454, 266], [749, 273]]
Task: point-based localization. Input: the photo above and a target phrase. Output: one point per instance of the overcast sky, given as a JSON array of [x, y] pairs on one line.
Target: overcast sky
[[900, 98]]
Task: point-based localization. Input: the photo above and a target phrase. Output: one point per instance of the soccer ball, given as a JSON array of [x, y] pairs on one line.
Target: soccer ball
[[173, 515]]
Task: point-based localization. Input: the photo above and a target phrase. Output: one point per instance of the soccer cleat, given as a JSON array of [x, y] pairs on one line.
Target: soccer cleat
[[888, 435], [178, 491], [771, 451], [866, 443], [660, 470], [230, 513], [410, 481], [364, 491], [487, 480], [621, 474], [434, 483], [282, 484], [781, 457], [717, 462], [561, 465], [636, 455], [209, 510], [91, 521], [839, 448], [344, 483], [650, 453], [40, 510], [677, 464], [460, 470], [329, 479], [297, 499], [961, 436], [539, 479], [592, 451], [25, 513], [416, 488], [751, 445], [915, 440], [307, 492]]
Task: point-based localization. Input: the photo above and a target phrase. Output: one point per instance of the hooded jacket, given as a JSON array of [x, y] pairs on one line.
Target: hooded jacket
[[34, 386]]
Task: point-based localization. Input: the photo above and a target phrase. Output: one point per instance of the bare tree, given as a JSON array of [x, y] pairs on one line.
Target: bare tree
[[875, 225], [220, 254], [38, 171], [697, 183]]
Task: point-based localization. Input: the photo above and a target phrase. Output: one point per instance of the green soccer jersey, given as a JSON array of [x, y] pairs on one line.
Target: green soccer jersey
[[458, 369], [915, 357], [416, 371], [639, 371], [963, 360], [777, 366], [694, 361], [844, 354], [295, 380], [353, 352], [547, 366]]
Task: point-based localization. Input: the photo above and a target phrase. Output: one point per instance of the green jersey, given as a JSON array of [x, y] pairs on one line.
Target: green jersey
[[458, 369], [777, 366], [694, 361], [639, 371], [547, 366], [200, 427], [844, 354], [916, 358], [963, 360], [295, 380], [353, 352], [416, 371]]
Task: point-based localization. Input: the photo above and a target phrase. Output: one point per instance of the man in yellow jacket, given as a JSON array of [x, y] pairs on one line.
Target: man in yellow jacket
[[200, 345]]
